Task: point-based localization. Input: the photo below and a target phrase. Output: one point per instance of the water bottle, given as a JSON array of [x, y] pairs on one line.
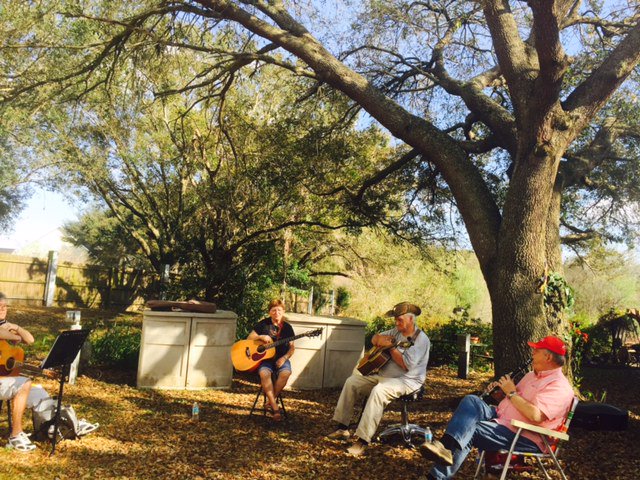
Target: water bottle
[[195, 412], [428, 436]]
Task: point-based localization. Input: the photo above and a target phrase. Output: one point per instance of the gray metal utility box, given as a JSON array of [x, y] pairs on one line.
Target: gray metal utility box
[[325, 361], [186, 350]]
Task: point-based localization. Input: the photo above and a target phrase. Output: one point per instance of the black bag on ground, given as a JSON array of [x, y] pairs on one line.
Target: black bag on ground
[[43, 415], [600, 416]]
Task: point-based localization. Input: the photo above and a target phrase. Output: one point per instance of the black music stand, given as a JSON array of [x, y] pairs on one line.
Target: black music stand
[[64, 351]]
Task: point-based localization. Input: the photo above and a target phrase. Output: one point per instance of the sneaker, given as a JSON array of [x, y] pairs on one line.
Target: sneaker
[[21, 443], [339, 434], [84, 427], [357, 448], [436, 451]]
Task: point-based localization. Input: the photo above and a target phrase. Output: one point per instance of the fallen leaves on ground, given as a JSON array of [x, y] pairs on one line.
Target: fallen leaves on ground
[[149, 434]]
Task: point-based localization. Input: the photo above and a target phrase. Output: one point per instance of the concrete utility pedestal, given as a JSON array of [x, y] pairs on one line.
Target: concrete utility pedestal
[[186, 350], [325, 361]]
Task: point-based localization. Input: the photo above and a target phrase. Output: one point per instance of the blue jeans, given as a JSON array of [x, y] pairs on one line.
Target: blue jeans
[[471, 426], [270, 365]]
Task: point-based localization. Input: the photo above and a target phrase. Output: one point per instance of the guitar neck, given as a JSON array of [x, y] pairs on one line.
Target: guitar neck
[[26, 368], [286, 340]]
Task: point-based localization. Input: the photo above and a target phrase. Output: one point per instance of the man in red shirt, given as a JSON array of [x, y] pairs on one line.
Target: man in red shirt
[[543, 397]]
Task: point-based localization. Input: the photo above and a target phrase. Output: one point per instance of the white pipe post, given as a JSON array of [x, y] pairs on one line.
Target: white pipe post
[[50, 282], [310, 304], [74, 316]]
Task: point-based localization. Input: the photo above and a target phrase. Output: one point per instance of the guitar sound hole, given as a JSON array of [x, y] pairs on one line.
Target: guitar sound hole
[[11, 362], [260, 349]]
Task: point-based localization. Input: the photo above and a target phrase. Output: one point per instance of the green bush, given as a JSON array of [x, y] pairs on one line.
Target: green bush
[[118, 346], [444, 349], [598, 348], [377, 325], [343, 299]]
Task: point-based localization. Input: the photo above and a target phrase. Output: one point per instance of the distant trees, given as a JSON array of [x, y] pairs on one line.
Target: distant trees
[[16, 170], [386, 272], [213, 189], [515, 112], [604, 279], [12, 193]]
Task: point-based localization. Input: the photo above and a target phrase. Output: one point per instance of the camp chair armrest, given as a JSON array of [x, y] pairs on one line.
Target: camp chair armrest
[[541, 430]]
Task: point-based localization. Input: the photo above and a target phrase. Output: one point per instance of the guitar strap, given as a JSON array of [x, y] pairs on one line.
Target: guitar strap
[[280, 325], [412, 339]]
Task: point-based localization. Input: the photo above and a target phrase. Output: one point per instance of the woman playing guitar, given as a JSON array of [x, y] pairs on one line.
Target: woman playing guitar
[[268, 330]]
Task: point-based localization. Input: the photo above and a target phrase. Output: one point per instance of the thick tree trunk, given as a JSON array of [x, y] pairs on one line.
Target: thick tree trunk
[[218, 275], [526, 243]]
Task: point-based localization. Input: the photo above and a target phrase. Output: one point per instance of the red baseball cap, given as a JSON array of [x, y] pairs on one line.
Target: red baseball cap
[[551, 343]]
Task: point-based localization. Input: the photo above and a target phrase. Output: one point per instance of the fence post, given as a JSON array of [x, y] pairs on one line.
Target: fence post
[[50, 282], [464, 350], [310, 303], [107, 300], [165, 278]]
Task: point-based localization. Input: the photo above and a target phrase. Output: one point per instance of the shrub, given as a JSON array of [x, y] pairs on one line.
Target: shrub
[[444, 350], [118, 346], [377, 325], [598, 349], [343, 299]]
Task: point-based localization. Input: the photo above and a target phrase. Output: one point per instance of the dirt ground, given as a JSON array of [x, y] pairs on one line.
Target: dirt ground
[[149, 434]]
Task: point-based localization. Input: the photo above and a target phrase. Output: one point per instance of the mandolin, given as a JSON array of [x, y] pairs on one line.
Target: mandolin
[[377, 357], [247, 355], [12, 362]]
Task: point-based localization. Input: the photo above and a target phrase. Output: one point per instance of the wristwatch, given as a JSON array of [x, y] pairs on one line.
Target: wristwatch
[[511, 394]]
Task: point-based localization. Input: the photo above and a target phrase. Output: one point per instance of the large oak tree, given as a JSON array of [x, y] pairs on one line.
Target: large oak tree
[[484, 94]]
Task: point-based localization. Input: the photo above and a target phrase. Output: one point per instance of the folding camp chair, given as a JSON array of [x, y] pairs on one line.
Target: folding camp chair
[[9, 418], [255, 408], [551, 439]]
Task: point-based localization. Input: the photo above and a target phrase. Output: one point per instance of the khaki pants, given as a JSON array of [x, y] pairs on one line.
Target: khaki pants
[[381, 391]]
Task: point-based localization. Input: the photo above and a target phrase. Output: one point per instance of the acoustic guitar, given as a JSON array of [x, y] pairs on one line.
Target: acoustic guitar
[[247, 355], [377, 357], [12, 363]]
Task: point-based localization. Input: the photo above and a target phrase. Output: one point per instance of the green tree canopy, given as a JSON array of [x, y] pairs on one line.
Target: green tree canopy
[[519, 110]]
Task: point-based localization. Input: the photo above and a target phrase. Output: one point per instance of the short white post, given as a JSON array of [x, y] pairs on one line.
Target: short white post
[[310, 302], [73, 317], [165, 278], [50, 282]]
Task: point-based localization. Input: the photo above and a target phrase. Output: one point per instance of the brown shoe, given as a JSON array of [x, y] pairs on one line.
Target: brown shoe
[[436, 451], [339, 434], [357, 448]]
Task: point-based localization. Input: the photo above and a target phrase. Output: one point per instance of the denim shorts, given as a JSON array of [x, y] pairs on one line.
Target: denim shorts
[[270, 365]]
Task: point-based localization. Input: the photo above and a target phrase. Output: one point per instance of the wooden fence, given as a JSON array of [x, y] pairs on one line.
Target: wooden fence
[[42, 281]]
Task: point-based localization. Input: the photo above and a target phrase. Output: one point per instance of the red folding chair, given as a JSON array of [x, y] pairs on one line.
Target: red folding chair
[[515, 460]]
